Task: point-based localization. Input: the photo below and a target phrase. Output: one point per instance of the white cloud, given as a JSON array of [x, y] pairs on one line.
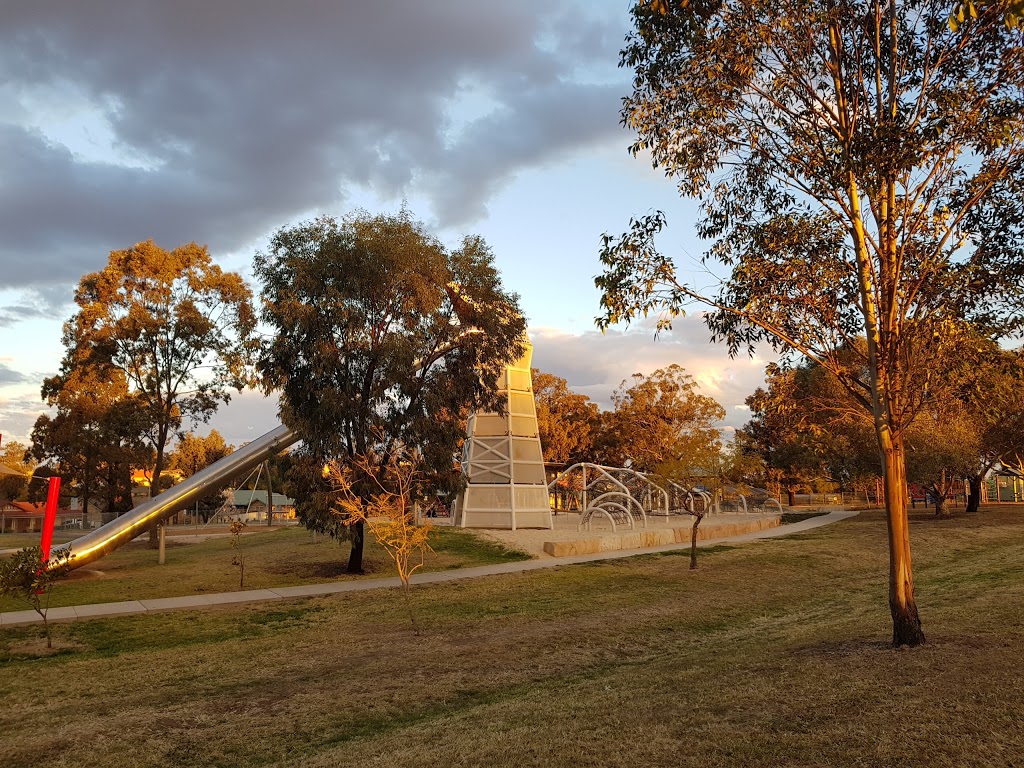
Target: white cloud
[[248, 415], [595, 364]]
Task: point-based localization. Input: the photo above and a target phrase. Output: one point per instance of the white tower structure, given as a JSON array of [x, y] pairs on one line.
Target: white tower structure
[[503, 462]]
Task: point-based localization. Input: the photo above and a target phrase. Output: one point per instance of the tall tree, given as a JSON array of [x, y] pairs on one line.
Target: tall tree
[[95, 437], [383, 338], [860, 170], [177, 326], [942, 448], [565, 419], [806, 426], [194, 452], [660, 418], [776, 433]]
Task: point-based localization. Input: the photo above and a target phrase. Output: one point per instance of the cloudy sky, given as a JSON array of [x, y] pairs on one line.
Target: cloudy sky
[[219, 122]]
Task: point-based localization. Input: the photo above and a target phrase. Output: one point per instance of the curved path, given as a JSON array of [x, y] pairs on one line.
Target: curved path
[[103, 610]]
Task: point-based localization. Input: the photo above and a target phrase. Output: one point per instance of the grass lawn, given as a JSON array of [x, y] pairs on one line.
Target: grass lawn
[[277, 558], [770, 654], [19, 540]]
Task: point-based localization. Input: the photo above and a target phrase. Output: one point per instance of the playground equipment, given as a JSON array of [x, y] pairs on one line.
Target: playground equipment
[[624, 496], [502, 460], [684, 500], [735, 500], [123, 529], [504, 468]]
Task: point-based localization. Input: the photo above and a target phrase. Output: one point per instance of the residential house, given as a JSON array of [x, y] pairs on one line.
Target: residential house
[[252, 506], [27, 517]]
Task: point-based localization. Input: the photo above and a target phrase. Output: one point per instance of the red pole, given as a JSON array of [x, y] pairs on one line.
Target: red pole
[[51, 517]]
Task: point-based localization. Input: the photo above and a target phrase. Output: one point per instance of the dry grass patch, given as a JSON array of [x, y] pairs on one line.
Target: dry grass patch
[[770, 654]]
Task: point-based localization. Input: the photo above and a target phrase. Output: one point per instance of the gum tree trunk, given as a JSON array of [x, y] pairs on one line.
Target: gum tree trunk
[[906, 623], [974, 494], [355, 558], [882, 332]]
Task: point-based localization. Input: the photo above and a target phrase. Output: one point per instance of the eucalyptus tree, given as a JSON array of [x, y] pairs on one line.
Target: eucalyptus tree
[[805, 425], [94, 437], [661, 419], [942, 449], [177, 326], [383, 340], [991, 398], [778, 433], [566, 420], [859, 167]]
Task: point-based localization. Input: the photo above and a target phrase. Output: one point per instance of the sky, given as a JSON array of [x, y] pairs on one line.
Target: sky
[[221, 122]]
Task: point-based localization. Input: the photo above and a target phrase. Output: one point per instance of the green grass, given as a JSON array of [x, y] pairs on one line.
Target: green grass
[[770, 654], [276, 558], [20, 540], [467, 549]]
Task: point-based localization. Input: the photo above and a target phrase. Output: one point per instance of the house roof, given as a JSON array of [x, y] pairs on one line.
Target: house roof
[[29, 508], [1009, 472], [5, 470]]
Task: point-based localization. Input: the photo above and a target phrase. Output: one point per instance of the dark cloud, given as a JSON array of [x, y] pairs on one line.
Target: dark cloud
[[234, 119]]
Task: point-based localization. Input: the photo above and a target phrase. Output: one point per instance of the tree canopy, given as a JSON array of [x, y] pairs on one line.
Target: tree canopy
[[383, 339], [860, 174], [794, 438], [566, 420], [660, 418], [13, 455], [177, 327], [194, 452], [95, 437]]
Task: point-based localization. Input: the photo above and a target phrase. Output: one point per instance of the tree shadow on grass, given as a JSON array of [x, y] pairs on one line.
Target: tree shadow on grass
[[319, 571]]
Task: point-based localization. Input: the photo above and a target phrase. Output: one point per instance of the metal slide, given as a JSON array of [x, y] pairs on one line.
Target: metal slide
[[105, 539]]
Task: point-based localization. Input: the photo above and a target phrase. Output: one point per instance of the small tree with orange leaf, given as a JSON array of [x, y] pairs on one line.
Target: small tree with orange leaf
[[386, 507]]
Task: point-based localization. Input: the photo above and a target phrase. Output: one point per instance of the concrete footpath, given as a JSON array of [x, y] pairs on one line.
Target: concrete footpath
[[104, 610]]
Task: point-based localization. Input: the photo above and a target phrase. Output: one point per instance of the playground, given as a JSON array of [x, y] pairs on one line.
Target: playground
[[769, 654]]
